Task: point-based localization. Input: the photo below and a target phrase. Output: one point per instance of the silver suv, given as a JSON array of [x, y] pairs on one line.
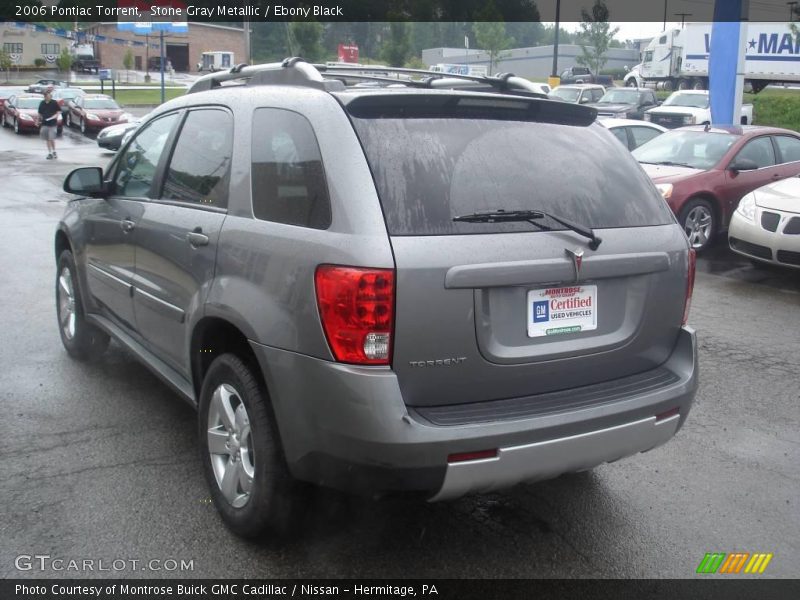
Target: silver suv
[[392, 286]]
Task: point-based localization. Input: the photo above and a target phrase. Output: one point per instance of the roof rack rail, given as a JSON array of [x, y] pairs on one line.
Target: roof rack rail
[[297, 71]]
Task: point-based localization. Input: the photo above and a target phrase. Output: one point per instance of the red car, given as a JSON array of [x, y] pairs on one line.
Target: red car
[[22, 113], [65, 96], [95, 111], [704, 172]]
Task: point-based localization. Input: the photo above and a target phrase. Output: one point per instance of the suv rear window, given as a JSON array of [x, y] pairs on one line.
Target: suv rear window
[[429, 170]]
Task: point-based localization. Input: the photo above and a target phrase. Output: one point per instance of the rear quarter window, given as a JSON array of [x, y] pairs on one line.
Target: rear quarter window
[[429, 170]]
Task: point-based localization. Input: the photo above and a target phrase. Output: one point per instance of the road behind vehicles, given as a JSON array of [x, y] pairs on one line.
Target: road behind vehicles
[[22, 113], [678, 58], [689, 108], [625, 103], [630, 132], [579, 93], [584, 75], [704, 173], [766, 225], [95, 111], [552, 334]]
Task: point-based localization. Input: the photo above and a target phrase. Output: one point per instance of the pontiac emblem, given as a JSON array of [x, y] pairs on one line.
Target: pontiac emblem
[[577, 261]]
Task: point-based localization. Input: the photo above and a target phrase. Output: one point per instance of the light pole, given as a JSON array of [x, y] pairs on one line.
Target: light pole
[[791, 6], [554, 72], [683, 17]]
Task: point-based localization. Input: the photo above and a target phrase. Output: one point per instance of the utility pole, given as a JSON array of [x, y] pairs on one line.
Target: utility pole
[[554, 73], [683, 17], [665, 16], [791, 10]]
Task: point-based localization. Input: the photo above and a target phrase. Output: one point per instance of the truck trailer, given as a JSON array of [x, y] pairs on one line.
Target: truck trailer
[[678, 58]]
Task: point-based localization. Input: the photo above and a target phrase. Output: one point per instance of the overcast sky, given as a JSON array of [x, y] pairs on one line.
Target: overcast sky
[[629, 31]]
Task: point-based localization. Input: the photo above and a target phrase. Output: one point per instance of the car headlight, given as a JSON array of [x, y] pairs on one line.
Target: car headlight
[[646, 117], [689, 120], [126, 117], [747, 208], [92, 117], [665, 189], [25, 117]]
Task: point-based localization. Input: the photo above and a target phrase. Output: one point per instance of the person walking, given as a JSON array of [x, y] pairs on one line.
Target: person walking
[[48, 122]]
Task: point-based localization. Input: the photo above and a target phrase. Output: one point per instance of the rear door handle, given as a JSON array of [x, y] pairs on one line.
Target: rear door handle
[[127, 225], [197, 238]]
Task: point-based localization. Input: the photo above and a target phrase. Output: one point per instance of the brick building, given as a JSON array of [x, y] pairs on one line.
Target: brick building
[[183, 50]]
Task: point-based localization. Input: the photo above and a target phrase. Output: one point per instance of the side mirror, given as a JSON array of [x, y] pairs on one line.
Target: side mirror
[[742, 164], [86, 181]]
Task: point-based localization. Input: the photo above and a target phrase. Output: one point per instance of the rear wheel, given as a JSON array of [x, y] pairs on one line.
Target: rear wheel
[[16, 126], [698, 84], [241, 451], [67, 121], [698, 221], [82, 340]]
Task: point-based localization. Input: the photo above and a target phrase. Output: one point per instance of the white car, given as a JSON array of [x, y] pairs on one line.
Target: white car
[[766, 225], [689, 107], [631, 132], [578, 93]]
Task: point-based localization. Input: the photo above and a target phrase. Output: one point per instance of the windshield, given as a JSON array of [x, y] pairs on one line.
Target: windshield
[[623, 96], [696, 149], [68, 95], [568, 94], [437, 168], [28, 102], [102, 103], [693, 100]]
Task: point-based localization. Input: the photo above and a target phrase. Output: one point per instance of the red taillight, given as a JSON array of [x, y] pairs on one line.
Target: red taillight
[[357, 311], [689, 284]]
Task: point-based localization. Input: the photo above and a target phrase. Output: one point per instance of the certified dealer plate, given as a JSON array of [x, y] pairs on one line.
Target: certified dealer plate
[[555, 311]]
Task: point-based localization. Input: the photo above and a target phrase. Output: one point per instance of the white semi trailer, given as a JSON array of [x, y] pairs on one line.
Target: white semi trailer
[[678, 58]]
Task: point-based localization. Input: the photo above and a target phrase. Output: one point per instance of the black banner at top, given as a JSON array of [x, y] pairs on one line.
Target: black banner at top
[[381, 10]]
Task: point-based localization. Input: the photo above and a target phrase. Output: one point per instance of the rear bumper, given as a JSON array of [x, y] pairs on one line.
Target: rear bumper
[[347, 427]]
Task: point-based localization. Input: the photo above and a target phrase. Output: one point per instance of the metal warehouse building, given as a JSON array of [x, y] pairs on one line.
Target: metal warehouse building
[[529, 62]]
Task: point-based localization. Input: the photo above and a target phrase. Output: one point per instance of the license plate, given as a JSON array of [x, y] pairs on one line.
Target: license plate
[[561, 310]]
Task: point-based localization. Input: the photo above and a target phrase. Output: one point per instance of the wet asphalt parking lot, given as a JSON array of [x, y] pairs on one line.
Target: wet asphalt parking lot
[[100, 461]]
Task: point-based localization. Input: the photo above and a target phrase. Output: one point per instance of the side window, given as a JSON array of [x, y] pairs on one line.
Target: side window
[[136, 168], [643, 134], [759, 151], [287, 178], [565, 73], [789, 148], [199, 169], [621, 135]]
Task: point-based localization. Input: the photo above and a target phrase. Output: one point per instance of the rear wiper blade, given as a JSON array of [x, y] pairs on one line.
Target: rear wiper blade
[[506, 216]]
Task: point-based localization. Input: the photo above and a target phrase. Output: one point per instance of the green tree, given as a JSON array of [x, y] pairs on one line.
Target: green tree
[[64, 60], [305, 39], [596, 35], [5, 62], [490, 34], [397, 47], [127, 62]]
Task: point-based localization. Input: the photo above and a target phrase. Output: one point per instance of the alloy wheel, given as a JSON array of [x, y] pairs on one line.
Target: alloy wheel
[[698, 226], [230, 445], [66, 303]]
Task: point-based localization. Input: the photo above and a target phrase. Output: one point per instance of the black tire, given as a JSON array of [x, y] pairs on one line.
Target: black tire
[[16, 127], [83, 341], [2, 120], [67, 121], [632, 83], [699, 222], [272, 501]]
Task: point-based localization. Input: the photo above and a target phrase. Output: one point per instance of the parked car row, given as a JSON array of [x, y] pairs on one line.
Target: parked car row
[[88, 112]]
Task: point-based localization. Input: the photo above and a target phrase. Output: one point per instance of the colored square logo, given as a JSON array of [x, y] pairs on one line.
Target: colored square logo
[[541, 311]]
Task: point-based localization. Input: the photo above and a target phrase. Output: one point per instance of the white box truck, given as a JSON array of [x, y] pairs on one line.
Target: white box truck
[[678, 58]]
